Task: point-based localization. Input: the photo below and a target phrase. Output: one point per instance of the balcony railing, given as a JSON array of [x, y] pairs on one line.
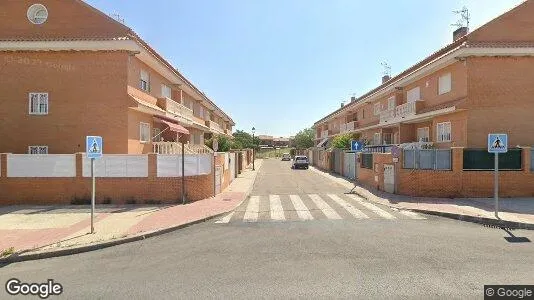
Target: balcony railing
[[347, 127], [178, 111], [176, 148], [214, 126], [400, 112]]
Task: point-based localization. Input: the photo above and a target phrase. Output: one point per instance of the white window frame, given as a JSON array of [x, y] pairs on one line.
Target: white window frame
[[42, 99], [144, 83], [444, 84], [443, 132], [141, 126], [166, 91], [377, 139], [392, 103], [377, 108], [423, 134], [39, 150], [413, 94]]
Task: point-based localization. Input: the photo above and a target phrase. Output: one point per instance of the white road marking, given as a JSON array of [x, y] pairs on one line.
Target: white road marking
[[327, 210], [226, 218], [351, 209], [302, 210], [377, 210], [253, 209], [277, 211], [409, 214]]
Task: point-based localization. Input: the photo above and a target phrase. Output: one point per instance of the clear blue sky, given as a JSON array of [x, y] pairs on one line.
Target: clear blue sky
[[281, 65]]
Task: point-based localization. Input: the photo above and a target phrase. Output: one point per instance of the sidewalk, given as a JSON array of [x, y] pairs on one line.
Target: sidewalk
[[40, 231], [513, 212]]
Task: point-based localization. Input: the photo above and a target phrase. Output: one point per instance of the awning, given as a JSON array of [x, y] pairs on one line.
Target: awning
[[173, 126], [323, 142]]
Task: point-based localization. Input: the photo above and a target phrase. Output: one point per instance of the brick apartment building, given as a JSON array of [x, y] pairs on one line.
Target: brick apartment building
[[480, 83], [69, 70]]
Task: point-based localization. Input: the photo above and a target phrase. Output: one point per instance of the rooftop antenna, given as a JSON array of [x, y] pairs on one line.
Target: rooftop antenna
[[387, 69], [117, 17], [464, 18]]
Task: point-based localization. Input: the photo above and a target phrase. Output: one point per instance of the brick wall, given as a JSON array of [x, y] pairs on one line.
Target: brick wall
[[119, 190], [455, 183]]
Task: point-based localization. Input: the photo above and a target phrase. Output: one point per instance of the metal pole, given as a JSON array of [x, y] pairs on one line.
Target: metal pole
[[93, 196], [183, 173], [496, 185], [253, 152]]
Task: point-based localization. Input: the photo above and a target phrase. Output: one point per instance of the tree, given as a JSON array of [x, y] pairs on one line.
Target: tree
[[225, 144], [342, 141], [304, 138], [243, 139]]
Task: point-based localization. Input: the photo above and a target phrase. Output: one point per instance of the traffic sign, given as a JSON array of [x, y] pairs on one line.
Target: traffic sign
[[93, 146], [395, 151], [356, 145], [497, 143]]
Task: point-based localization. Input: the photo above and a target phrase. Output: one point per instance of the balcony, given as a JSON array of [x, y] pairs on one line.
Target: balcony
[[324, 134], [400, 112], [214, 126], [348, 127], [176, 110]]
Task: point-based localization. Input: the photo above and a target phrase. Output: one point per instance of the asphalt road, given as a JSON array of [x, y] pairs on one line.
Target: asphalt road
[[349, 257]]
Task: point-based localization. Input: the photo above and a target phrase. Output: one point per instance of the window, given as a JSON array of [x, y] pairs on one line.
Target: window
[[166, 91], [363, 113], [157, 135], [444, 84], [443, 132], [38, 149], [377, 139], [145, 81], [391, 103], [38, 104], [144, 132], [201, 113], [414, 94], [423, 134], [376, 109], [388, 138]]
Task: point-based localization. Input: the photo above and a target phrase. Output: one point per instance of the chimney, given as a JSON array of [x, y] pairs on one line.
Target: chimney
[[342, 104], [458, 33], [385, 78], [352, 99]]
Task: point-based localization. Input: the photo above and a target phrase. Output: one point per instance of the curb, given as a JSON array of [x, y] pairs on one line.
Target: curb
[[64, 252], [465, 218], [20, 258], [460, 217]]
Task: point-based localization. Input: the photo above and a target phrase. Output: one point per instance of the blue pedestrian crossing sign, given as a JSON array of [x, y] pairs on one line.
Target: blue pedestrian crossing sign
[[356, 145], [93, 146], [497, 143]]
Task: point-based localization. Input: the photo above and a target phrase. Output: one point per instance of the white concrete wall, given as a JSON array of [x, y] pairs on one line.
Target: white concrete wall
[[171, 165], [46, 165], [117, 166]]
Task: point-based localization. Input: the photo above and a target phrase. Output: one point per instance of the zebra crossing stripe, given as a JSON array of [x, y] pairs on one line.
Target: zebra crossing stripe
[[377, 210], [302, 210], [226, 218], [327, 210], [277, 211], [409, 214], [351, 209], [253, 209]]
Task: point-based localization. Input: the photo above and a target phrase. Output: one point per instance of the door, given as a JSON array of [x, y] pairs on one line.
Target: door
[[218, 179], [389, 178], [349, 165], [232, 166]]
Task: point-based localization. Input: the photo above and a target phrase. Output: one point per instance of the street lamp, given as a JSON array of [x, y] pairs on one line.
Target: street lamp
[[253, 148]]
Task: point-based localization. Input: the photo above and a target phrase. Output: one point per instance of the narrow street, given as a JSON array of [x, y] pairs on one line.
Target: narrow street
[[297, 236]]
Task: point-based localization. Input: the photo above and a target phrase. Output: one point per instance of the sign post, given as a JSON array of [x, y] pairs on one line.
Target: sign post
[[94, 151], [497, 143]]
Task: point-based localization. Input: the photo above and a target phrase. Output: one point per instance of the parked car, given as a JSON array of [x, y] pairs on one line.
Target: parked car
[[286, 156], [300, 162]]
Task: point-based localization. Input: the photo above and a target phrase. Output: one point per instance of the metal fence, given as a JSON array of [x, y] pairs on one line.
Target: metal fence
[[427, 159], [481, 160], [349, 165], [367, 160], [338, 160], [378, 149]]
